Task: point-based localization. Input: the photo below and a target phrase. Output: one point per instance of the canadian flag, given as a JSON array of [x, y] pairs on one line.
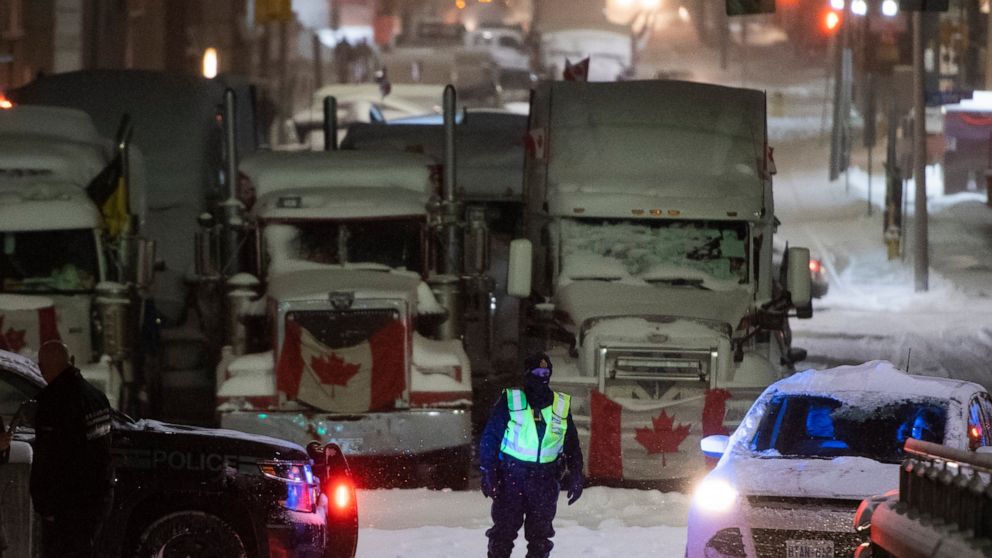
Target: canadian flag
[[578, 71], [369, 376], [657, 435], [26, 323]]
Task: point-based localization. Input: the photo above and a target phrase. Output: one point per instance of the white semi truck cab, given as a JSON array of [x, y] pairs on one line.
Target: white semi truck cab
[[647, 267], [358, 336], [62, 275]]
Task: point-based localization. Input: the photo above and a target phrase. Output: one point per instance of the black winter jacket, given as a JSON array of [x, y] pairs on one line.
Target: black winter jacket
[[72, 469]]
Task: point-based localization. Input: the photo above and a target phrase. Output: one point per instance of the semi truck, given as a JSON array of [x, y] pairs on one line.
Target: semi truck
[[646, 269], [74, 266], [357, 337]]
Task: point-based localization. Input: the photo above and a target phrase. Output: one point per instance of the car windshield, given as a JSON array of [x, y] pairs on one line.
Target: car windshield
[[822, 427], [49, 261], [393, 243], [705, 254]]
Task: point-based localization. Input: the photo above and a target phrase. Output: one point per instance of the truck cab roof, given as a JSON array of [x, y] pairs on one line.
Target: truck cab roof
[[46, 206], [277, 171], [703, 146]]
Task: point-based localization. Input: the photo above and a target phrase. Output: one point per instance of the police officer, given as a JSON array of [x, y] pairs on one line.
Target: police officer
[[528, 442], [72, 475]]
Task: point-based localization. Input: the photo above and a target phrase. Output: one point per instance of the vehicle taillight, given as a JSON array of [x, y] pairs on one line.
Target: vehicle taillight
[[341, 493], [814, 266], [5, 103]]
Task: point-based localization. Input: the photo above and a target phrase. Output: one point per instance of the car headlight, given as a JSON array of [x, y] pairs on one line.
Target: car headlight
[[301, 491], [715, 496]]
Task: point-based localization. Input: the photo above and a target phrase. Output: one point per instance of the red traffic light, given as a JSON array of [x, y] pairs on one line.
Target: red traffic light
[[831, 21]]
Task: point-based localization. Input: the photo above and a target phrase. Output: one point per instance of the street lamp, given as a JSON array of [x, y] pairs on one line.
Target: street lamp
[[890, 8], [210, 63]]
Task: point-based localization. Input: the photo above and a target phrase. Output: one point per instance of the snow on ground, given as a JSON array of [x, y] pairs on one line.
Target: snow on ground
[[415, 523]]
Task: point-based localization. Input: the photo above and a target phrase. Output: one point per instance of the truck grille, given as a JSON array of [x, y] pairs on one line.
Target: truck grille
[[343, 328], [652, 364], [771, 543]]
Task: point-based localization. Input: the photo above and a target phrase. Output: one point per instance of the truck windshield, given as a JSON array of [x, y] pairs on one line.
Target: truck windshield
[[62, 261], [809, 426], [394, 243], [704, 254]]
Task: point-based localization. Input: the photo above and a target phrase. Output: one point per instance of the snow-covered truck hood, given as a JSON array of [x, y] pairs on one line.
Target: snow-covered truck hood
[[702, 147], [848, 478], [582, 301]]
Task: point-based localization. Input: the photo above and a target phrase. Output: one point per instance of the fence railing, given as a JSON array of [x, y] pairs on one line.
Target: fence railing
[[948, 487]]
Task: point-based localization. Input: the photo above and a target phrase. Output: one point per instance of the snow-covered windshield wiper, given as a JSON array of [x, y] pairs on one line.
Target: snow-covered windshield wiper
[[594, 277], [678, 282]]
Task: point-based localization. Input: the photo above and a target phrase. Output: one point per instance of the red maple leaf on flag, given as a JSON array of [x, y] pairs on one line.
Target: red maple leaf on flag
[[333, 370], [664, 438], [13, 340]]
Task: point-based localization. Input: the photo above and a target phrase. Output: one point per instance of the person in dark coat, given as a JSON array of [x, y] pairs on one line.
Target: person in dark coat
[[529, 441], [72, 475]]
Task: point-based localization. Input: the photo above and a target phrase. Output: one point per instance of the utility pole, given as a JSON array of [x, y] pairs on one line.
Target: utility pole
[[988, 57], [921, 261]]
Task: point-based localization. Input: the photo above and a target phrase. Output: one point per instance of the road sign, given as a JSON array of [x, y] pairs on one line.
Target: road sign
[[938, 98]]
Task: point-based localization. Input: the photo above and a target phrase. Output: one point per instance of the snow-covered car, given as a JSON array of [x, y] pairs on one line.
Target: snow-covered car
[[812, 447], [187, 491]]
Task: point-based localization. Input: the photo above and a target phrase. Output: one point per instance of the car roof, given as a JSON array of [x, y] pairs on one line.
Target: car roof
[[21, 366], [873, 380]]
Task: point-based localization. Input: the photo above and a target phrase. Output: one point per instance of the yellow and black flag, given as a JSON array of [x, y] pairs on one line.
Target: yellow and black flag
[[108, 190]]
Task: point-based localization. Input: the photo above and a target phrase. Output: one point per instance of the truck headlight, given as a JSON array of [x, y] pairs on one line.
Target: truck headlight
[[301, 492], [715, 496]]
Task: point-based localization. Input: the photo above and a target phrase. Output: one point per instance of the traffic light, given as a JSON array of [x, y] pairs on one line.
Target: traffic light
[[830, 21], [749, 7], [924, 5]]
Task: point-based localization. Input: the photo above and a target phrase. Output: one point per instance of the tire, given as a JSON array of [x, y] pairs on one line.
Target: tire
[[189, 534]]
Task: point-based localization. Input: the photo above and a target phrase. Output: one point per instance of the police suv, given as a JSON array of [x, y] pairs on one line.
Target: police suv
[[186, 491]]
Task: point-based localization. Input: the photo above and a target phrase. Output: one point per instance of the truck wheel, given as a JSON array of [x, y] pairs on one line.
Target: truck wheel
[[190, 534]]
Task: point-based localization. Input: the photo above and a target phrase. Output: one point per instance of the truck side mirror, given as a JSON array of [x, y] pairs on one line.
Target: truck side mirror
[[518, 273], [798, 277]]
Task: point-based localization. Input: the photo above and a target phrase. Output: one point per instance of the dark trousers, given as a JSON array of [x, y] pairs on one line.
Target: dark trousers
[[72, 533], [526, 495]]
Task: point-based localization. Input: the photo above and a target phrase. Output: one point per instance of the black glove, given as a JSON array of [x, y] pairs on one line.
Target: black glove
[[488, 483], [576, 481]]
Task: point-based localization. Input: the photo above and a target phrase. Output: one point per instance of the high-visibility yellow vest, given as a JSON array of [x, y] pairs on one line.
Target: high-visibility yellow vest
[[520, 439]]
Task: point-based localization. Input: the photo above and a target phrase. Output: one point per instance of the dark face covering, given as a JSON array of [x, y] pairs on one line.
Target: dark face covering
[[538, 393]]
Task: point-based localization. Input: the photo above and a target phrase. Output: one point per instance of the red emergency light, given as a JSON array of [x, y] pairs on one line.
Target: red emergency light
[[340, 494]]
